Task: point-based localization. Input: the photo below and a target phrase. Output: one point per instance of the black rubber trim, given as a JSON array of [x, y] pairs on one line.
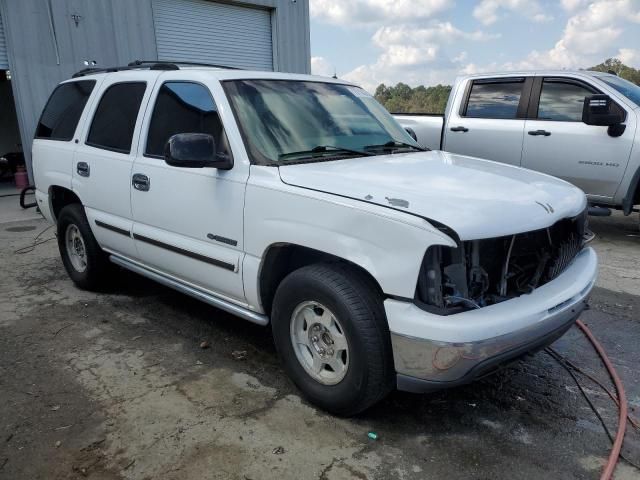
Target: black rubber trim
[[119, 230], [487, 367], [628, 200], [186, 253]]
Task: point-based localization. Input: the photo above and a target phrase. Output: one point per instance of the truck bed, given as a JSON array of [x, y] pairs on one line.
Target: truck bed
[[427, 126]]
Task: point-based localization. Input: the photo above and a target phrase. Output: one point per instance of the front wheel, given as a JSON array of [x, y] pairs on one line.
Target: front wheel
[[83, 259], [331, 333]]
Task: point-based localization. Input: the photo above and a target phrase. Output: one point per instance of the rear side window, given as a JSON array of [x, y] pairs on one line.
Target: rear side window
[[183, 107], [115, 117], [494, 99], [62, 113], [562, 101]]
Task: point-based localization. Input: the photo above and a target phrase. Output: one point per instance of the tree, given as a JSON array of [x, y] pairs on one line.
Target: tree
[[614, 65]]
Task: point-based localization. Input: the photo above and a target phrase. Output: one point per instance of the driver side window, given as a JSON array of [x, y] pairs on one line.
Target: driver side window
[[183, 107], [562, 101]]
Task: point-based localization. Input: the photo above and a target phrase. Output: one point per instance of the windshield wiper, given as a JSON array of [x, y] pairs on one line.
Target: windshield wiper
[[324, 149], [396, 144]]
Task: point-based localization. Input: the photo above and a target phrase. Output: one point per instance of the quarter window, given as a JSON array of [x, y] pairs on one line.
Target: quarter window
[[183, 107], [562, 101], [115, 118], [62, 113], [494, 99]]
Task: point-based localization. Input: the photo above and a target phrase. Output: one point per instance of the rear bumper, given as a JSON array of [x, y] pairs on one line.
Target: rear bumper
[[433, 352]]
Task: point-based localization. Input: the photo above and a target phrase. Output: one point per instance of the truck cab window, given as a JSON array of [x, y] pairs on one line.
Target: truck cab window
[[183, 107], [562, 101], [115, 118], [63, 110], [494, 99]]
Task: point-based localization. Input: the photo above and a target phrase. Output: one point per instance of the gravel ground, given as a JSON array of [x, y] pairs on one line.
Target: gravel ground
[[115, 385]]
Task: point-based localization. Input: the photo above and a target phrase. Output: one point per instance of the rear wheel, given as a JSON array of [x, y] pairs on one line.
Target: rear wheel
[[84, 260], [331, 333]]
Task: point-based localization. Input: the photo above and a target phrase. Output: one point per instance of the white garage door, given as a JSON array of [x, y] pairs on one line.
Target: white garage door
[[211, 32], [4, 62]]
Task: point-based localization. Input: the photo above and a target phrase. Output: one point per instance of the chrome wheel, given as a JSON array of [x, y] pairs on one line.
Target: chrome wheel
[[76, 250], [319, 342]]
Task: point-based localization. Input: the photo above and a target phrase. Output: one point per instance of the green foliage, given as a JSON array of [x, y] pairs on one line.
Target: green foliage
[[404, 99], [620, 69]]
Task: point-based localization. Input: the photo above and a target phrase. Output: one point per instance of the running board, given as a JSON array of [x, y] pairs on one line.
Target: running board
[[192, 292]]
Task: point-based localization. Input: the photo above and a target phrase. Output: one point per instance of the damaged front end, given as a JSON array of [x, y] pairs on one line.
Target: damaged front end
[[478, 273]]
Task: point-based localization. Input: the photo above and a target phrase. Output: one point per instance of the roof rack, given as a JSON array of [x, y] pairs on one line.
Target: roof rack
[[150, 64], [179, 62]]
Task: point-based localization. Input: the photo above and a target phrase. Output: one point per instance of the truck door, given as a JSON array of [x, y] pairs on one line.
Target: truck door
[[558, 143], [104, 157], [188, 221], [490, 120]]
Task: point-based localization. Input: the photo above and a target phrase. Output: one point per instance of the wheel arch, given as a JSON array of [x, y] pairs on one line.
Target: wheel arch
[[280, 259], [60, 197]]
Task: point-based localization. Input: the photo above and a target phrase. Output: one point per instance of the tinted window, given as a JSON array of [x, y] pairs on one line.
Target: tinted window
[[562, 101], [625, 87], [115, 117], [63, 110], [494, 100], [182, 107]]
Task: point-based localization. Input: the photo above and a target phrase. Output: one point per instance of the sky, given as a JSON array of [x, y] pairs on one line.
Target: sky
[[426, 42]]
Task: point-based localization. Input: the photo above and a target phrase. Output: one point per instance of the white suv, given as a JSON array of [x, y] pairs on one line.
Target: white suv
[[299, 201]]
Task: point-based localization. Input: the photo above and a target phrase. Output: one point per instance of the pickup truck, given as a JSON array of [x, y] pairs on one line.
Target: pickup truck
[[580, 126], [298, 201]]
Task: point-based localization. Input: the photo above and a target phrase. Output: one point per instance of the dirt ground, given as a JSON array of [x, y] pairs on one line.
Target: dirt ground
[[115, 385]]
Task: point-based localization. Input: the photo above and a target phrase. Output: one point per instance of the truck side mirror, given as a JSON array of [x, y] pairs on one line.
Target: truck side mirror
[[195, 150], [601, 110], [411, 133]]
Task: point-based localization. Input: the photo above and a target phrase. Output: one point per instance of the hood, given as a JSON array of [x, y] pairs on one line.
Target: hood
[[476, 198]]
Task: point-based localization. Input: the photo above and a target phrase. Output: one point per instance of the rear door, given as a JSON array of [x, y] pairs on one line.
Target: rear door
[[104, 158], [557, 142], [189, 221], [490, 121]]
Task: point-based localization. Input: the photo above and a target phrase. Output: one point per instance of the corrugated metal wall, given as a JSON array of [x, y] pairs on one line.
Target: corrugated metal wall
[[211, 32], [4, 61], [46, 45]]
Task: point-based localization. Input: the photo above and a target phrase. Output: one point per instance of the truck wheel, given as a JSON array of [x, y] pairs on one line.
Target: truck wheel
[[331, 333], [84, 260]]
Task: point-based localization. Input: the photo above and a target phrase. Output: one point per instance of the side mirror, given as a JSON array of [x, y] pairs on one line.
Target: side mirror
[[195, 150], [600, 110], [411, 133]]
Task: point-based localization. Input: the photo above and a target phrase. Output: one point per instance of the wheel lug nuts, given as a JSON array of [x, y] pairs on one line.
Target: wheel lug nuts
[[314, 338]]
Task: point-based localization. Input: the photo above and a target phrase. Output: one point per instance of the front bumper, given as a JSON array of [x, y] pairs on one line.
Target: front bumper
[[432, 351]]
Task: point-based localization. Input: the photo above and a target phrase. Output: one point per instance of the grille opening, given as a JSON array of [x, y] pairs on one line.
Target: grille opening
[[484, 272]]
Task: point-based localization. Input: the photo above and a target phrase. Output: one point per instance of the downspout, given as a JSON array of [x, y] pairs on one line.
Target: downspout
[[52, 27]]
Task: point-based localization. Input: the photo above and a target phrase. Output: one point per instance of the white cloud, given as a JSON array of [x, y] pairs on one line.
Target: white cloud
[[489, 11], [414, 55], [589, 35], [353, 12], [629, 56], [321, 66], [571, 5]]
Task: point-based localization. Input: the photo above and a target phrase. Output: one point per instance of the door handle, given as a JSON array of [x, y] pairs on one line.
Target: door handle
[[141, 182], [459, 129], [83, 169], [539, 132]]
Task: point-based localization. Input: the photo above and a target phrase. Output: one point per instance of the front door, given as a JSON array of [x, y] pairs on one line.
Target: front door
[[188, 221], [557, 142], [490, 122]]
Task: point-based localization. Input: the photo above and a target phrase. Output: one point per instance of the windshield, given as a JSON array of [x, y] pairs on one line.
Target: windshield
[[625, 87], [287, 121]]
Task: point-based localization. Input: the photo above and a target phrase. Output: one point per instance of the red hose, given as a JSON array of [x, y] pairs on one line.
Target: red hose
[[607, 473]]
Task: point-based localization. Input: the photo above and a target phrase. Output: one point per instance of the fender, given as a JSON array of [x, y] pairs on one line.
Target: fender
[[387, 243], [629, 199]]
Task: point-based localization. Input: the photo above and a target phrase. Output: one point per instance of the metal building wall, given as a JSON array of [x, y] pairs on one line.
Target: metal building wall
[[46, 46]]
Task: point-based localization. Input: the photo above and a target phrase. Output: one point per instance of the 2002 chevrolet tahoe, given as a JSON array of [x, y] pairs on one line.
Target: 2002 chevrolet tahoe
[[299, 201]]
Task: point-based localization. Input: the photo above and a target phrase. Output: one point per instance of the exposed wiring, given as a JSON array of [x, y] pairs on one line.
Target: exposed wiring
[[36, 242]]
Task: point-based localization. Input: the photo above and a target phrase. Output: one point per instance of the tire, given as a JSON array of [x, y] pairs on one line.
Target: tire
[[357, 312], [73, 223]]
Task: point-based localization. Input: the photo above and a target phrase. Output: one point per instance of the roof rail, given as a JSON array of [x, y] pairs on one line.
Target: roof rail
[[150, 66], [139, 63]]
